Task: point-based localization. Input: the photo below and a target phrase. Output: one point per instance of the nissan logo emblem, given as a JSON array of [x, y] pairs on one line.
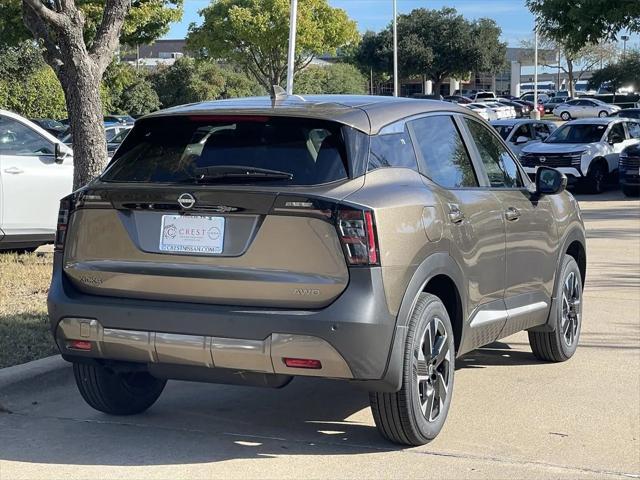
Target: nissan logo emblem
[[543, 159], [186, 201]]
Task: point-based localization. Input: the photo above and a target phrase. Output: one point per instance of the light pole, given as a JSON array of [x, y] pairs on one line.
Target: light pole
[[624, 44], [291, 57], [395, 49], [536, 113]]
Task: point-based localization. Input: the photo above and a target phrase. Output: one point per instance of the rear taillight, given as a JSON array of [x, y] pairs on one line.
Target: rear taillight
[[66, 206], [356, 229]]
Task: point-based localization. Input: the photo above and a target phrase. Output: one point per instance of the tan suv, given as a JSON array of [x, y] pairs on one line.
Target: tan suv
[[368, 239]]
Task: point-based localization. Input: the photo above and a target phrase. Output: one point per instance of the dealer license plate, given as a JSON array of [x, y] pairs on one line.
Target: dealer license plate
[[192, 234]]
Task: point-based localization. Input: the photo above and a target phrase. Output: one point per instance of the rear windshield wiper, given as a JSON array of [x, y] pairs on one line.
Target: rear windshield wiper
[[220, 172]]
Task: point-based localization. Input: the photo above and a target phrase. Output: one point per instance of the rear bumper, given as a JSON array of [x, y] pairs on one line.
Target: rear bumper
[[352, 337]]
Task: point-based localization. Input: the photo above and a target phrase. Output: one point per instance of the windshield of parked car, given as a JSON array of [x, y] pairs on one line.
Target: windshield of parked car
[[503, 130], [577, 133], [178, 149]]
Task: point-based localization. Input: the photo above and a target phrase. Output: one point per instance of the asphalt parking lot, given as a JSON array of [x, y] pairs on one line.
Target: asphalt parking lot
[[511, 417]]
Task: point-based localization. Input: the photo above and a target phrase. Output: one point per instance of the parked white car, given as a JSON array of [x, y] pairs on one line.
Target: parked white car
[[586, 151], [485, 111], [36, 171], [479, 96], [584, 108], [503, 111], [520, 133]]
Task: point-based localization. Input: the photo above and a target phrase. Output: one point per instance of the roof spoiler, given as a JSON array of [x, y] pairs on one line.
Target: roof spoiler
[[279, 95]]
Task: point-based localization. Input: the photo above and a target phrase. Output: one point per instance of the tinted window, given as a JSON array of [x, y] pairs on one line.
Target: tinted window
[[542, 131], [617, 131], [634, 129], [443, 156], [392, 150], [177, 149], [503, 130], [18, 139], [577, 133], [524, 130], [501, 168]]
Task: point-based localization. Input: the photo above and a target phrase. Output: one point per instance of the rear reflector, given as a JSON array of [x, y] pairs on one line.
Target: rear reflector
[[79, 345], [302, 363]]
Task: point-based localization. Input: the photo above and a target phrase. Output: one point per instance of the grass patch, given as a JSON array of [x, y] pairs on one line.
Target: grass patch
[[24, 327]]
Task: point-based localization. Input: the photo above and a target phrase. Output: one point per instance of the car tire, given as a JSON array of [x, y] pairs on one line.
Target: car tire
[[595, 179], [560, 344], [630, 191], [566, 116], [603, 114], [117, 393], [407, 417]]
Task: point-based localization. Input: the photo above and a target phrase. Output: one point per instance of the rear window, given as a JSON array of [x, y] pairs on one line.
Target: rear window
[[178, 149]]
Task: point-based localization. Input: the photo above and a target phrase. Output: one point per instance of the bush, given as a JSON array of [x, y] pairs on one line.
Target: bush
[[39, 95], [139, 99], [338, 78]]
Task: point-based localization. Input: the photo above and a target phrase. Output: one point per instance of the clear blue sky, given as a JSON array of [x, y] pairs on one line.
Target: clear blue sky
[[511, 15]]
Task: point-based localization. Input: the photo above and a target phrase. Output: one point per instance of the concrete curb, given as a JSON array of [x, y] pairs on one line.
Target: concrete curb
[[30, 370]]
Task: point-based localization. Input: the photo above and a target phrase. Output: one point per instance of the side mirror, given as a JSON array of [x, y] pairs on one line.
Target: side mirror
[[58, 156], [521, 139], [550, 181], [615, 139]]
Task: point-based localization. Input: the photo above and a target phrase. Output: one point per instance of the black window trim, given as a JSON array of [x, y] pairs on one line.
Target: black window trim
[[527, 186], [418, 152]]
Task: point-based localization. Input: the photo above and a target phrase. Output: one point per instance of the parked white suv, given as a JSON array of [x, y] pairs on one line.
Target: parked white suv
[[586, 151], [36, 171], [584, 108]]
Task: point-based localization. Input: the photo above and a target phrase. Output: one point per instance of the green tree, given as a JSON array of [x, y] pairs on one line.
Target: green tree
[[189, 80], [623, 73], [254, 34], [79, 39], [39, 95], [374, 55], [146, 20], [442, 43], [585, 58], [338, 78], [20, 61], [139, 99], [576, 23], [435, 43]]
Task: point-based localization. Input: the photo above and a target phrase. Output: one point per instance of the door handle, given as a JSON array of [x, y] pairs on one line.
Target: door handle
[[13, 170], [455, 214], [512, 214]]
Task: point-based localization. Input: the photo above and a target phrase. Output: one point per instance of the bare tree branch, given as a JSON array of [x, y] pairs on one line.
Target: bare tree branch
[[54, 18], [108, 33]]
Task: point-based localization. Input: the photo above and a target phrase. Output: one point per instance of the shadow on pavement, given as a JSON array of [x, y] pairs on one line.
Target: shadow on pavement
[[196, 423]]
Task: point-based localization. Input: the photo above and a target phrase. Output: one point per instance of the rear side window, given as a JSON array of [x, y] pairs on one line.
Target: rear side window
[[443, 156], [392, 150], [178, 149]]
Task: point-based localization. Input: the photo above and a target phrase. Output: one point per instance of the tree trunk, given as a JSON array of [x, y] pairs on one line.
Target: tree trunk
[[60, 27], [84, 106], [570, 76]]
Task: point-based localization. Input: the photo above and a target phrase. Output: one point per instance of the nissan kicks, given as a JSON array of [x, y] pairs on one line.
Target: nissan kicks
[[368, 239]]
